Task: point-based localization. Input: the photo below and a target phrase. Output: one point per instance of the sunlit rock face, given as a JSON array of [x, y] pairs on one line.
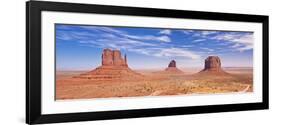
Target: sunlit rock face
[[113, 58], [113, 67], [213, 66], [212, 63]]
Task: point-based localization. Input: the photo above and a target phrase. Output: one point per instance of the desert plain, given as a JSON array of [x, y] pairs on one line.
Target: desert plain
[[114, 78]]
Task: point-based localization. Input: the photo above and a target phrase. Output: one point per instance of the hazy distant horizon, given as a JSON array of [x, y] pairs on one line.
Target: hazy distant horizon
[[79, 47], [158, 69]]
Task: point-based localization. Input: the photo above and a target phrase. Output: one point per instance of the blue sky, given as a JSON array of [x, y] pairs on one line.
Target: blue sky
[[79, 47]]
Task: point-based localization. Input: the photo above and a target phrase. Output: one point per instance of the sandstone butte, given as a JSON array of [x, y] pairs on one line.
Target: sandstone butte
[[172, 68], [113, 67], [212, 66]]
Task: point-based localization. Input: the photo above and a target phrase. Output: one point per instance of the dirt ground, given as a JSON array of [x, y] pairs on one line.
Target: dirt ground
[[154, 84]]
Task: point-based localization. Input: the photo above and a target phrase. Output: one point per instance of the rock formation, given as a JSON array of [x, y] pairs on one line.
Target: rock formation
[[113, 58], [172, 68], [213, 65], [172, 64], [113, 67]]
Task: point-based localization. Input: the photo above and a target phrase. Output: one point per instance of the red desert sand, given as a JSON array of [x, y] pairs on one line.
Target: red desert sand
[[114, 78]]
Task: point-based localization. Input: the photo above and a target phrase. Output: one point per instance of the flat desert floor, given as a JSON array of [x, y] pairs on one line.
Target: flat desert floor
[[154, 83]]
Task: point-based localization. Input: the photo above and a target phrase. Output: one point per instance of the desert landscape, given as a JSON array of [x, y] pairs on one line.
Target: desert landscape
[[115, 78]]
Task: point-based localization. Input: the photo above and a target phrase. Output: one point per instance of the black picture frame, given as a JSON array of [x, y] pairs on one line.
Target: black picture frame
[[33, 61]]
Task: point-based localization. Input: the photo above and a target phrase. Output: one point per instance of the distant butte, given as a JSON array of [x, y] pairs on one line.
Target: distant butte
[[172, 64], [113, 67], [172, 68], [212, 66]]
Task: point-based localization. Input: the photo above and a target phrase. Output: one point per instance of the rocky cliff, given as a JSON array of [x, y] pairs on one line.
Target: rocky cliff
[[213, 66], [113, 67], [113, 58]]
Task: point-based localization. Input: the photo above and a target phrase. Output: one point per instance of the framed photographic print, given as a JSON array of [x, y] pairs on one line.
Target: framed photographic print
[[95, 62]]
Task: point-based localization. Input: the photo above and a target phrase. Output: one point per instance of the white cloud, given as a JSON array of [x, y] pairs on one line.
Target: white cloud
[[149, 37], [104, 29], [241, 49], [140, 51], [116, 42], [165, 32], [187, 46], [188, 32], [164, 39], [63, 36], [138, 47], [208, 32], [207, 49], [125, 34], [198, 40], [238, 41], [117, 39], [203, 34], [241, 41], [177, 52], [167, 52], [199, 33], [236, 45]]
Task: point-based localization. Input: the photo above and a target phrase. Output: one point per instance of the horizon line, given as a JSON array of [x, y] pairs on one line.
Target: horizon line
[[155, 68]]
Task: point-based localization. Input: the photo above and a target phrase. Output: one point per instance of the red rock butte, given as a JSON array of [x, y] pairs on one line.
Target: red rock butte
[[172, 68], [213, 66], [113, 58], [113, 67]]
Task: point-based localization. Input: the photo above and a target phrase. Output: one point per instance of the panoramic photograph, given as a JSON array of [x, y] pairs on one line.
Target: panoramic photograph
[[113, 62]]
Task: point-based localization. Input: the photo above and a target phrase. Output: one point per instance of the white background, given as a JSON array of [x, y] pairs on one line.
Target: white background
[[12, 64]]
